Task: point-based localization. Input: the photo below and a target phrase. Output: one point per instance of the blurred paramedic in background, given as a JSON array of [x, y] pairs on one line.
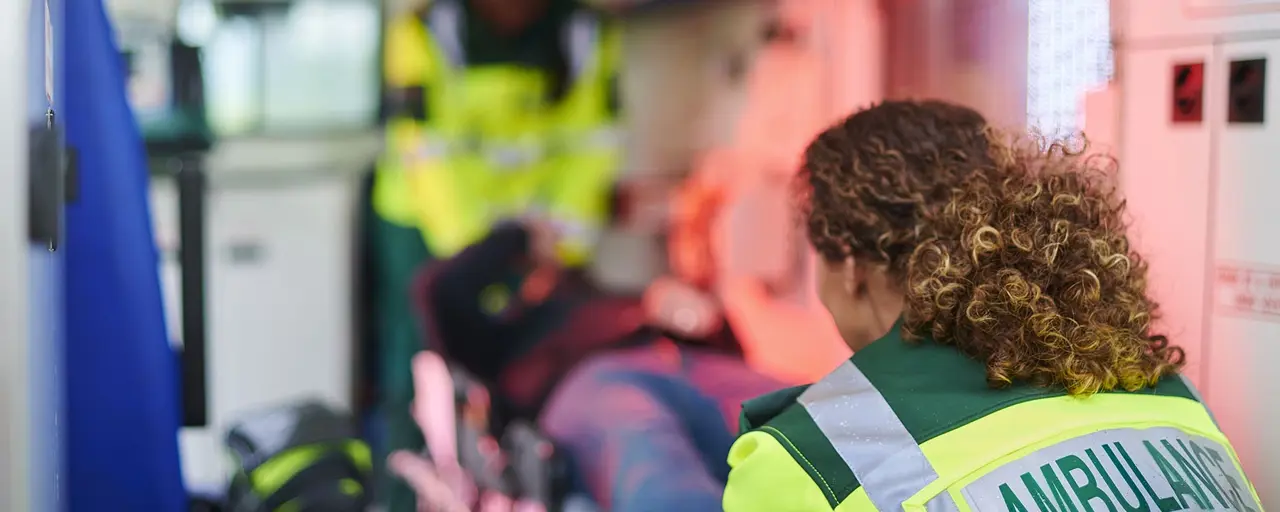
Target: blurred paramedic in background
[[497, 109], [1002, 334]]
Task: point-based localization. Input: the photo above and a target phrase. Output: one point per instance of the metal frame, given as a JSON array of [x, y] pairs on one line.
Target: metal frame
[[15, 344], [191, 234]]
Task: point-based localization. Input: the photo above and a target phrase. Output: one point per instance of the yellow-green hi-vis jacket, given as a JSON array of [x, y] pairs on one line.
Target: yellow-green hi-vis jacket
[[913, 426], [488, 143]]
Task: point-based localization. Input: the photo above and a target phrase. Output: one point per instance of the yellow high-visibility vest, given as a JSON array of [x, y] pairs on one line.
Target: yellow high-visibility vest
[[914, 427], [490, 145]]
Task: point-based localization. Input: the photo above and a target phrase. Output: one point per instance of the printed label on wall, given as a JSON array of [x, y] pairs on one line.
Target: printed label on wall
[[1245, 289]]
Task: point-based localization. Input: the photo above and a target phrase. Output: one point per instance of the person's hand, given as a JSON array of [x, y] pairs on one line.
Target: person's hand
[[442, 486], [682, 309], [434, 495], [544, 239]]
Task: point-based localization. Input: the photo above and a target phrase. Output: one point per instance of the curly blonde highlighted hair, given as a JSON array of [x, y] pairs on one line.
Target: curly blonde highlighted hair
[[1014, 251]]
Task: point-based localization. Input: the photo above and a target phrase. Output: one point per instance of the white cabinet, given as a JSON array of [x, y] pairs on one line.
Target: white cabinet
[[1165, 174], [279, 299], [1245, 322], [1204, 206]]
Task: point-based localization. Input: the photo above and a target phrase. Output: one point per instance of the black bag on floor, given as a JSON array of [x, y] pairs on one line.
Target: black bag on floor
[[299, 458]]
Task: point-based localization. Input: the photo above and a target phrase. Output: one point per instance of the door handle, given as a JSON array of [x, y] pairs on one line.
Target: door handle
[[192, 189]]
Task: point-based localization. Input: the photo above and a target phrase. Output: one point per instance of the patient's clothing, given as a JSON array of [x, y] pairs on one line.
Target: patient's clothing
[[646, 421], [649, 428], [475, 314]]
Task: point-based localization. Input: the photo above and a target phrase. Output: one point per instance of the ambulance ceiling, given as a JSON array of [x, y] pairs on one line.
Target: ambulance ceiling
[[156, 11], [163, 12]]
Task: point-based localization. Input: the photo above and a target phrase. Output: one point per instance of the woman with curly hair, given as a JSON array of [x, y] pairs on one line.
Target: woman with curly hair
[[1005, 358]]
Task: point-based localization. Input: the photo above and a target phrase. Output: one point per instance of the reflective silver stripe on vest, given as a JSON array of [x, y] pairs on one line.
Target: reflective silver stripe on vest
[[574, 232], [502, 157], [1195, 393], [432, 147], [871, 439], [581, 38], [445, 23], [507, 156], [513, 155], [605, 138], [571, 231]]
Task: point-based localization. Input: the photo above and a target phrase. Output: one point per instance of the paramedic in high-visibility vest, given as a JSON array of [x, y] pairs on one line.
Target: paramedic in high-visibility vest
[[498, 109], [503, 107], [1004, 352]]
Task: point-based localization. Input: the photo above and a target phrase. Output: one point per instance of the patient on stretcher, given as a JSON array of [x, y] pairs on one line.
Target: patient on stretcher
[[642, 396]]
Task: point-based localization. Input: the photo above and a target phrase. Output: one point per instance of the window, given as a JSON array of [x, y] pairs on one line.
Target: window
[[310, 66], [1069, 53]]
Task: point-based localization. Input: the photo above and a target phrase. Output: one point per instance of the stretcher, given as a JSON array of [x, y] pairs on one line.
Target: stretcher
[[517, 469]]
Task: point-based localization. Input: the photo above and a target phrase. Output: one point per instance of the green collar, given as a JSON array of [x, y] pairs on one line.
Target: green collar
[[764, 408], [882, 352], [932, 387]]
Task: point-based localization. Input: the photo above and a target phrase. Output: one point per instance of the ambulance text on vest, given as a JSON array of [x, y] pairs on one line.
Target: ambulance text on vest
[[1119, 470]]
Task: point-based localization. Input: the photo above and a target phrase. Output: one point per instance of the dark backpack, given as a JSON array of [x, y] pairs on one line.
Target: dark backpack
[[299, 458]]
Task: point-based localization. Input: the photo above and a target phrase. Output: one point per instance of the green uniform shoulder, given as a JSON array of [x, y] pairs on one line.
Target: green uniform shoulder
[[932, 388], [780, 415], [759, 410]]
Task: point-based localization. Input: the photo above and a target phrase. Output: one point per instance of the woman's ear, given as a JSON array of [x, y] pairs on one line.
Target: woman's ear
[[853, 277]]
